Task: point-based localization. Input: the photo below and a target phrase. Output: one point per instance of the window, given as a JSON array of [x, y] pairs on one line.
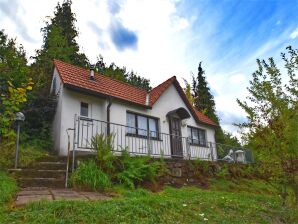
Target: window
[[197, 136], [141, 125], [84, 109]]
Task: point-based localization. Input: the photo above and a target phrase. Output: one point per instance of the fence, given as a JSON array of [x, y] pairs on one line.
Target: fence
[[155, 144]]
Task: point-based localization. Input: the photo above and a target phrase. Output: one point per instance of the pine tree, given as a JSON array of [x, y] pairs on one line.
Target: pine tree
[[204, 100], [59, 42]]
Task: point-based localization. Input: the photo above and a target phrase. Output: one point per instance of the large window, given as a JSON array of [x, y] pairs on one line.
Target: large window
[[140, 125], [84, 109], [197, 136]]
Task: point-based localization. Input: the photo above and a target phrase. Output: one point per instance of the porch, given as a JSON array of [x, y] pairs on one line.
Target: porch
[[154, 144]]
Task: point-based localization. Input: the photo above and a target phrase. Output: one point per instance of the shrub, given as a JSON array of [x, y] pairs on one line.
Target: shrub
[[135, 170], [104, 152], [89, 176]]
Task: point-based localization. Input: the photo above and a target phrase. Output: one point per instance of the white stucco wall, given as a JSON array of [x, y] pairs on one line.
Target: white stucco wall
[[57, 118], [69, 105]]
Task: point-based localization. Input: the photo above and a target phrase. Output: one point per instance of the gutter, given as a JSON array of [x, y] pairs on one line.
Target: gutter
[[108, 114]]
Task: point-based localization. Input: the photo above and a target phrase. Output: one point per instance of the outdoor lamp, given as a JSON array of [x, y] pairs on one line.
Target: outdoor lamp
[[20, 117]]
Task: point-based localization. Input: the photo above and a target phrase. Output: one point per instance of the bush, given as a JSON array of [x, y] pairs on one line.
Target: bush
[[104, 152], [135, 170], [8, 187], [89, 176]]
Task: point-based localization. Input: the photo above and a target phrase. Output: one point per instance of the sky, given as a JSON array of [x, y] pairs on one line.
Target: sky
[[161, 38]]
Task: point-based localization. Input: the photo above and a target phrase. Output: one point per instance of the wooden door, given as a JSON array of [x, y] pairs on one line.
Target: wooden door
[[176, 140]]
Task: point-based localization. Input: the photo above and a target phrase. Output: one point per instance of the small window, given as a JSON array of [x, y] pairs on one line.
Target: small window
[[197, 136], [84, 109], [141, 125]]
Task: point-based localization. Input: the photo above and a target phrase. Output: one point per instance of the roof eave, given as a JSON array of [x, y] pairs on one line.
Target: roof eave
[[101, 95]]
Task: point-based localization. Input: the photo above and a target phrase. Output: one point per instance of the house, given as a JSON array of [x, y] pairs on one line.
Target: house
[[157, 122]]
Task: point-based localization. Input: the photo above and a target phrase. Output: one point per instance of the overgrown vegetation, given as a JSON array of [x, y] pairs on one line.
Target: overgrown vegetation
[[125, 169], [89, 177], [7, 188], [135, 170], [27, 154]]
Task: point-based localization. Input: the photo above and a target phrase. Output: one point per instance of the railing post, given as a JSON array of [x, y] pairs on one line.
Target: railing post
[[188, 148], [149, 143], [73, 144], [211, 151]]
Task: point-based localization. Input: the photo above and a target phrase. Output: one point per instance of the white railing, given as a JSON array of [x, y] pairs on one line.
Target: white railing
[[155, 144]]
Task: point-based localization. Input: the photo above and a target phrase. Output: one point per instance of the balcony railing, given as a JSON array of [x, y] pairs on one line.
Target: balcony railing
[[155, 144]]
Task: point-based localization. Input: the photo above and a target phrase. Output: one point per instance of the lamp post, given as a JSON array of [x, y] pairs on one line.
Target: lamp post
[[20, 117]]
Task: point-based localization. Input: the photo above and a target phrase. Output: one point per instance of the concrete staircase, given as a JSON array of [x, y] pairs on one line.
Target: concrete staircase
[[48, 172]]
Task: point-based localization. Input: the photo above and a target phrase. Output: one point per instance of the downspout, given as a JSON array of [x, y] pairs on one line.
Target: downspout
[[108, 115]]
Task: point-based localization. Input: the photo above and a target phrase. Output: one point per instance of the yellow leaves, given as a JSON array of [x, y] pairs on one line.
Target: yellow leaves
[[29, 88], [10, 89]]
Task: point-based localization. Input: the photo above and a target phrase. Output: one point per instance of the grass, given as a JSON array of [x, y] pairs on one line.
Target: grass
[[27, 154], [7, 188], [185, 205]]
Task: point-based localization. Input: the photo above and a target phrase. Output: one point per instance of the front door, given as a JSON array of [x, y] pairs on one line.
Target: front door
[[176, 140]]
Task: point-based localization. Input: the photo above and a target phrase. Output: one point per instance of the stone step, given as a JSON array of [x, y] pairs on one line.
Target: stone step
[[48, 165], [41, 182], [52, 159], [38, 173]]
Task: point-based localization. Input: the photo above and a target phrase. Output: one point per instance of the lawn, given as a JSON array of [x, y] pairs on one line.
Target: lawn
[[184, 205]]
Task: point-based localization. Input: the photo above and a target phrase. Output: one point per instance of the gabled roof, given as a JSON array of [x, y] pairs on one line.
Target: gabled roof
[[77, 78]]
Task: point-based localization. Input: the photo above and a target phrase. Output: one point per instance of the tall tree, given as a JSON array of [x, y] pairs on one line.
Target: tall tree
[[272, 113], [59, 42], [204, 100], [200, 96]]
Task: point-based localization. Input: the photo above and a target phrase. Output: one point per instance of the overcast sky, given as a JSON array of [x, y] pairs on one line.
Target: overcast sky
[[162, 38]]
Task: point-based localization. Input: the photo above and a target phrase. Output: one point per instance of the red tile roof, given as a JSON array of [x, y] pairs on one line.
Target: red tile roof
[[156, 92], [78, 78], [203, 118]]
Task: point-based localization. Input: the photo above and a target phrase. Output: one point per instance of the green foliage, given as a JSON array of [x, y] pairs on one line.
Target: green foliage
[[89, 176], [185, 205], [135, 170], [14, 84], [121, 74], [104, 152], [204, 100], [8, 187], [272, 113], [28, 153]]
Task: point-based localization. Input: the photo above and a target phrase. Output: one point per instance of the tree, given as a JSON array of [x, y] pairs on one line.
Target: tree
[[59, 42], [14, 84], [188, 92], [272, 114], [122, 74], [204, 100]]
